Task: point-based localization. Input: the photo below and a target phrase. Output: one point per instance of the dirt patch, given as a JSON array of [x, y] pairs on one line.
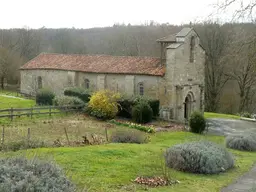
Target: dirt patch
[[154, 181]]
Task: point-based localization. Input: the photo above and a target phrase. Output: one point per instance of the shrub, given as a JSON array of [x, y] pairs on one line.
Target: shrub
[[199, 157], [246, 115], [128, 136], [22, 144], [242, 142], [125, 105], [155, 105], [20, 174], [197, 122], [68, 101], [103, 104], [44, 97], [125, 108], [79, 92], [142, 112]]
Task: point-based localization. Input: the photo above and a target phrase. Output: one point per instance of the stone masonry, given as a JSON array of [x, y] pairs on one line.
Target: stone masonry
[[180, 90]]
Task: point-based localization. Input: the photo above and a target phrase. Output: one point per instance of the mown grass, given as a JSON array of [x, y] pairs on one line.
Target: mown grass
[[10, 93], [220, 115], [7, 102], [112, 167]]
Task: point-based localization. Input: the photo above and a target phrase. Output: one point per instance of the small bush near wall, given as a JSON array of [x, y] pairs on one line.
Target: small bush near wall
[[44, 97], [129, 136], [67, 100], [199, 157], [142, 112], [126, 104], [103, 104], [242, 141], [155, 105], [20, 174], [125, 108], [81, 93], [197, 122]]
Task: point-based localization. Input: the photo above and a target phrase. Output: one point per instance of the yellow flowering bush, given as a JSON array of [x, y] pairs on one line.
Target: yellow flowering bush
[[103, 104]]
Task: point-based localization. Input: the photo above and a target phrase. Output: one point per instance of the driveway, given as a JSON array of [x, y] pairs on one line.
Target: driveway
[[225, 127], [217, 126]]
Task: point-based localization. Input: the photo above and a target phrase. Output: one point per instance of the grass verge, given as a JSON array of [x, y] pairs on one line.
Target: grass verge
[[220, 115], [111, 167], [8, 102]]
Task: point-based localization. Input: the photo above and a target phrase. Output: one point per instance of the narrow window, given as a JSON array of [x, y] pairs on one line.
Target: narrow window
[[87, 83], [39, 82], [69, 80], [141, 88], [192, 49]]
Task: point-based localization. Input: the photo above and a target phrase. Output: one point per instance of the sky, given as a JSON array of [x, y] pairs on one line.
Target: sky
[[100, 13]]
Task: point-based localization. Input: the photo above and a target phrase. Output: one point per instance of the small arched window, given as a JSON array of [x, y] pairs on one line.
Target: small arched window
[[39, 82], [141, 88], [87, 83], [192, 49]]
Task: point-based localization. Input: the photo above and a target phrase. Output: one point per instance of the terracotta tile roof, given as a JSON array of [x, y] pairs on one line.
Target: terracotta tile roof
[[97, 64]]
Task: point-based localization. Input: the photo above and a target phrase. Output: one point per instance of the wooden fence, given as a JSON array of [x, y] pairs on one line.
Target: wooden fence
[[30, 112]]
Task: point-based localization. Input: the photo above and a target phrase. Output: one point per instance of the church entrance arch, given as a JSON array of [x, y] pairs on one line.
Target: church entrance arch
[[188, 105]]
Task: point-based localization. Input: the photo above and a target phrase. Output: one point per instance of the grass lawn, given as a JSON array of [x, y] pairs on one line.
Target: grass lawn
[[112, 167], [8, 102], [220, 115], [10, 93]]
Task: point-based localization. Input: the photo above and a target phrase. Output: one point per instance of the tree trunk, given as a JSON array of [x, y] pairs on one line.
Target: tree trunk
[[2, 82]]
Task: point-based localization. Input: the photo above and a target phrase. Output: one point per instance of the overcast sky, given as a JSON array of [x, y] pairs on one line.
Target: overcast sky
[[100, 13]]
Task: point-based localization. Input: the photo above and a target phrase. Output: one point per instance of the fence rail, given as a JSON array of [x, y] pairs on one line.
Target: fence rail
[[44, 110]]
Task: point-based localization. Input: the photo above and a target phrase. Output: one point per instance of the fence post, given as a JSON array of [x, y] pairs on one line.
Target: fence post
[[50, 111], [66, 109], [106, 132], [3, 136], [11, 114], [31, 112], [66, 135], [28, 137]]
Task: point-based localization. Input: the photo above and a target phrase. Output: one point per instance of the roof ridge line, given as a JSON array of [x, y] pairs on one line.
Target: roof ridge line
[[78, 54]]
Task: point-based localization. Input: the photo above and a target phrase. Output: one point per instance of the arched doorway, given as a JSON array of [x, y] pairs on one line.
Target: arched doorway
[[188, 105]]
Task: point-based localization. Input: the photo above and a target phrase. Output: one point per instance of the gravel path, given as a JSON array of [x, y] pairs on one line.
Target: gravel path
[[246, 183], [229, 126]]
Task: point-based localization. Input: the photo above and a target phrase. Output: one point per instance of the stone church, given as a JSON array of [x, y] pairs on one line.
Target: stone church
[[177, 78]]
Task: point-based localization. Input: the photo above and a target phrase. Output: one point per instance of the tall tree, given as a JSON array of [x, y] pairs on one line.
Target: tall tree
[[240, 8], [9, 65], [242, 57], [28, 43], [215, 39]]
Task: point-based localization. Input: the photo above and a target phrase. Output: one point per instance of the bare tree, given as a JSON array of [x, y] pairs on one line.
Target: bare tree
[[28, 43], [240, 8], [243, 59], [9, 65], [215, 39]]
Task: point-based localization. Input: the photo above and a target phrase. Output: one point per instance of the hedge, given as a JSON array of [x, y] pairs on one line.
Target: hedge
[[125, 106], [81, 93]]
